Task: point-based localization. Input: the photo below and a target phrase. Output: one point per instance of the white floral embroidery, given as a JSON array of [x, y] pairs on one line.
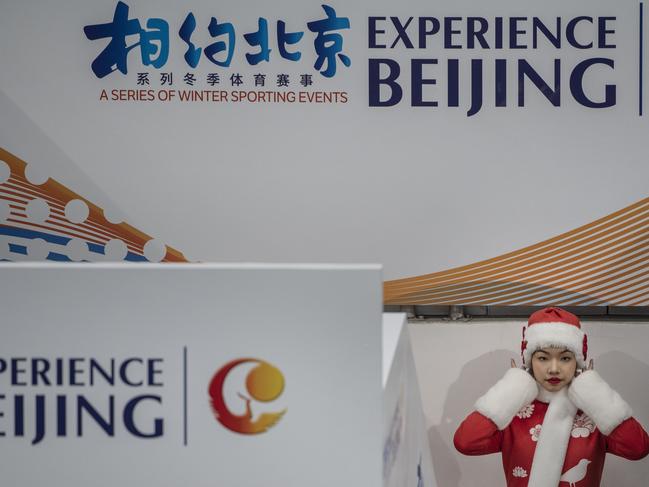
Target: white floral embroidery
[[526, 411], [519, 472], [582, 426], [535, 432]]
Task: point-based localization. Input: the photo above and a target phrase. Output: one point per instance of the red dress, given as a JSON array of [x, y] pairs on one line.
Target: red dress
[[585, 454]]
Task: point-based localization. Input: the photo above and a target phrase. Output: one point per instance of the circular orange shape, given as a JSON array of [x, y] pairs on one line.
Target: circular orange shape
[[265, 382]]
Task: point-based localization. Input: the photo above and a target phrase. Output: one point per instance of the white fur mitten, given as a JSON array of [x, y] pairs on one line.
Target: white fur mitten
[[515, 390], [590, 393]]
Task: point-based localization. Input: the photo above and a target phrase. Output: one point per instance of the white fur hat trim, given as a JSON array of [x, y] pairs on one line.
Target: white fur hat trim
[[554, 335]]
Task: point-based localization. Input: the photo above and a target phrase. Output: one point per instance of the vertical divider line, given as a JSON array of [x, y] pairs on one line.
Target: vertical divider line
[[640, 56], [185, 396]]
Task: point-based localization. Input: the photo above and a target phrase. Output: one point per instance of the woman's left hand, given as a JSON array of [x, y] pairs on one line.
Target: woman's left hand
[[591, 366]]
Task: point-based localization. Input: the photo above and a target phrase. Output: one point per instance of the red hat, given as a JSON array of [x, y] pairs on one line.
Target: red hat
[[554, 328]]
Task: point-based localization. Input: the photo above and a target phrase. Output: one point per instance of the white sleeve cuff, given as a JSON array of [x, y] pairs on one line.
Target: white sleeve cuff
[[515, 390], [590, 393]]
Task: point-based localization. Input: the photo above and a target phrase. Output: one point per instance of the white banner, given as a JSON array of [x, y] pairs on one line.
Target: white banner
[[196, 375], [309, 132]]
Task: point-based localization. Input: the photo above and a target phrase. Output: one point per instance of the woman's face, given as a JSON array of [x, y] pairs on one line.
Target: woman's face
[[553, 368]]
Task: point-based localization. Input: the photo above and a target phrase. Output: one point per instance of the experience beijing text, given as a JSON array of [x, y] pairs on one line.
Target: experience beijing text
[[488, 54]]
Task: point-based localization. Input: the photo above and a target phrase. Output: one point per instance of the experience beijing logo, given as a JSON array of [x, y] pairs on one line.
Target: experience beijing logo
[[52, 398], [62, 397], [263, 383], [154, 43]]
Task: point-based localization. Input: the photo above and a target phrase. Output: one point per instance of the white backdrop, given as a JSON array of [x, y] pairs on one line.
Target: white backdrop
[[320, 326], [329, 182]]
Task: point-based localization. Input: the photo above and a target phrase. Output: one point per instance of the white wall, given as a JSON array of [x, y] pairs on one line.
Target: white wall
[[457, 362]]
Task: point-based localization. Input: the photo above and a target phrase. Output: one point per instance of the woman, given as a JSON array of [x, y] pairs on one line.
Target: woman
[[552, 422]]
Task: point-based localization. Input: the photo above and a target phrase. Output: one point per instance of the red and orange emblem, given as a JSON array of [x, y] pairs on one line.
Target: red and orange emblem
[[264, 383]]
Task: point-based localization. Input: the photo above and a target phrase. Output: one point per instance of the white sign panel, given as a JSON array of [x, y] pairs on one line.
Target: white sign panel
[[190, 375], [407, 458]]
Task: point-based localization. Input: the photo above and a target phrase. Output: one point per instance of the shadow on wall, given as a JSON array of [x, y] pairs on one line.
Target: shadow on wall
[[628, 376], [453, 469]]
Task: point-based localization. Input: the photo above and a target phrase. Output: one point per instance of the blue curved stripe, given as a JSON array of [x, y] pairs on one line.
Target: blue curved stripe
[[55, 239], [23, 233]]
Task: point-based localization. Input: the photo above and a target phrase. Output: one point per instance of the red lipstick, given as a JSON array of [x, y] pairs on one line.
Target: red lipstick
[[554, 380]]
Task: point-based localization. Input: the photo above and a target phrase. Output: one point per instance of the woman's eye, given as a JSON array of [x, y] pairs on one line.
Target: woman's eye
[[542, 359], [566, 359]]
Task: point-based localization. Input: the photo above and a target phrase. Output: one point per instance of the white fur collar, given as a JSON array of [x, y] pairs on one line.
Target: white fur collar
[[544, 395], [550, 452]]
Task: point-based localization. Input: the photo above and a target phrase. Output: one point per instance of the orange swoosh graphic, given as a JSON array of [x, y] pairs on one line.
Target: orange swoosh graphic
[[605, 263]]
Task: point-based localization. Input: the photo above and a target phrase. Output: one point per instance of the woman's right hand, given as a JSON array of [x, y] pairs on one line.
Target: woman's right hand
[[514, 366]]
